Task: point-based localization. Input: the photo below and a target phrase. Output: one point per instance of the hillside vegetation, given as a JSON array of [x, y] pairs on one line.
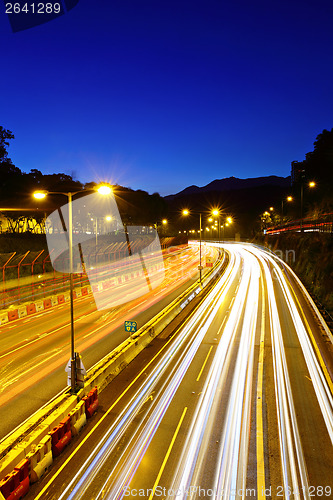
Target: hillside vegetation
[[310, 256]]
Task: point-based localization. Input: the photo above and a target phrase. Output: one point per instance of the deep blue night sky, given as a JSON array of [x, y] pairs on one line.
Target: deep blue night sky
[[162, 94]]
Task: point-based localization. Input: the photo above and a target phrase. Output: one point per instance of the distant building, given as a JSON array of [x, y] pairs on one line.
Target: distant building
[[297, 168]]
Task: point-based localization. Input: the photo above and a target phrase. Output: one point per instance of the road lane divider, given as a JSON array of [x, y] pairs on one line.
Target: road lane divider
[[56, 415], [167, 454], [261, 488]]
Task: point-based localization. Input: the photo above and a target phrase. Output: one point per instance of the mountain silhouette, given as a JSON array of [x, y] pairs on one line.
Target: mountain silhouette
[[233, 183]]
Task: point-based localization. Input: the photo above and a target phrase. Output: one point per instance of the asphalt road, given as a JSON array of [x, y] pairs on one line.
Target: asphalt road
[[235, 403], [36, 349]]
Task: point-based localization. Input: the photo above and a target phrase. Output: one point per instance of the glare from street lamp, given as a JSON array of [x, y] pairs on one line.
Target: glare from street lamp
[[215, 212], [312, 184], [185, 212], [39, 195], [104, 189], [289, 198], [271, 209], [210, 219], [164, 221], [108, 218], [229, 220]]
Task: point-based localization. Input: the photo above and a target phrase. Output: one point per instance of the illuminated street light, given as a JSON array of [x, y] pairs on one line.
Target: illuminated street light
[[40, 195], [311, 184], [103, 189], [216, 213], [289, 199], [187, 212]]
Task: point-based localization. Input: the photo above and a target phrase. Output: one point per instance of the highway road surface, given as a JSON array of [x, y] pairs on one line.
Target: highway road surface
[[236, 403], [35, 349]]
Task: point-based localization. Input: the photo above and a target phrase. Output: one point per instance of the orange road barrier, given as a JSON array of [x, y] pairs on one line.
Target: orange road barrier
[[31, 308], [40, 459], [91, 402], [47, 303], [16, 484], [61, 299], [61, 436], [78, 418], [13, 314], [84, 291]]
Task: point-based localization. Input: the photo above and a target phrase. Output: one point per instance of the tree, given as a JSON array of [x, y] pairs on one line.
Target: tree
[[5, 135], [318, 164]]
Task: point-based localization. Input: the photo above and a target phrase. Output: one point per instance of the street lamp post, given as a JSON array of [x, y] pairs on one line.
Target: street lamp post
[[311, 184], [186, 212], [289, 198], [103, 189]]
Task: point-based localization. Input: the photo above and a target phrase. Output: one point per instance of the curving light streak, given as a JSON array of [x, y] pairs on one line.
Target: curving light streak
[[235, 350], [292, 459], [321, 387], [199, 321], [233, 451]]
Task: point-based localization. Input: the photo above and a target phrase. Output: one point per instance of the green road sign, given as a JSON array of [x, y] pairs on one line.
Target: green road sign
[[131, 326]]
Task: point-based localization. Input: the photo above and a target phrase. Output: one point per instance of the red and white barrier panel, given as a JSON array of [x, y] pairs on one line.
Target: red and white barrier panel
[[61, 435], [16, 484], [78, 418], [40, 459], [91, 402]]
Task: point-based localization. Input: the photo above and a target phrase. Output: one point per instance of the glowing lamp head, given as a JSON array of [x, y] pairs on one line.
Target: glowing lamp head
[[229, 220], [39, 195], [215, 212], [108, 218], [289, 198], [185, 212], [312, 184], [164, 221], [104, 189]]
